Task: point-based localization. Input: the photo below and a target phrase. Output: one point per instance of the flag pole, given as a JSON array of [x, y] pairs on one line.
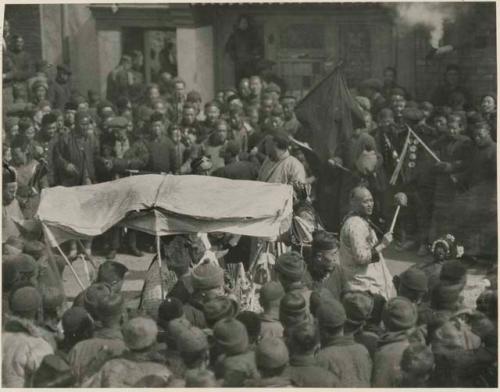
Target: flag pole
[[427, 148], [339, 64], [397, 170]]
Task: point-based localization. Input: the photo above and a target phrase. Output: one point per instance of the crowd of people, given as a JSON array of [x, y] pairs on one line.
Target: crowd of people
[[331, 315]]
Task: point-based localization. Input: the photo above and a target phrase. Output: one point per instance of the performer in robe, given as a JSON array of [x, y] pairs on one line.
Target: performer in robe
[[361, 251], [280, 166]]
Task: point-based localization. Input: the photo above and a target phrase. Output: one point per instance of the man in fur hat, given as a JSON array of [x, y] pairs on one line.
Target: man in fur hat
[[208, 282], [137, 362], [23, 347]]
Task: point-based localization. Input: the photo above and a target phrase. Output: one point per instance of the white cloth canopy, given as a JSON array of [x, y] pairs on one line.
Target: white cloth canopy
[[166, 204]]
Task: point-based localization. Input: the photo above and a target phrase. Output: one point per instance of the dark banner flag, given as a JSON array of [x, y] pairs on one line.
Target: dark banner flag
[[329, 113]]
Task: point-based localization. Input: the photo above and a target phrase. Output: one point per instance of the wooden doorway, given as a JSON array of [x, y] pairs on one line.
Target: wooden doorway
[[158, 47]]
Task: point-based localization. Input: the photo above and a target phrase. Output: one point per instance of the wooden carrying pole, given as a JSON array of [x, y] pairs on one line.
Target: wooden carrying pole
[[394, 219]]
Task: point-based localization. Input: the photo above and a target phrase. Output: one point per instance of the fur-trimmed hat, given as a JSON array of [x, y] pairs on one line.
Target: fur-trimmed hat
[[207, 276], [271, 291], [414, 279], [139, 333], [271, 353], [231, 335], [399, 314], [291, 265], [293, 308], [192, 340], [331, 314], [25, 300], [358, 306], [218, 308]]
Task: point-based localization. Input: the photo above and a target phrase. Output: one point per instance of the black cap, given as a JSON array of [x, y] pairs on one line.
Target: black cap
[[111, 271], [170, 309]]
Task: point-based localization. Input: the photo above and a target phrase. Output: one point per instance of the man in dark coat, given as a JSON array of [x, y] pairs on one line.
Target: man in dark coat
[[270, 296], [119, 79], [451, 84], [235, 168], [60, 89], [359, 307], [161, 149], [237, 363], [139, 361], [23, 344], [208, 282], [291, 269], [304, 369], [399, 316], [74, 155], [390, 83], [55, 369], [272, 361], [21, 61], [245, 47], [349, 361]]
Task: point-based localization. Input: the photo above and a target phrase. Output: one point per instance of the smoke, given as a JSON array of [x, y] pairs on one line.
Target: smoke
[[431, 15]]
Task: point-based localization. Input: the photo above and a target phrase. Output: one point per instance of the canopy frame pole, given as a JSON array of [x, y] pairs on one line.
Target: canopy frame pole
[[70, 267], [47, 231], [86, 268], [88, 255], [158, 250], [53, 263]]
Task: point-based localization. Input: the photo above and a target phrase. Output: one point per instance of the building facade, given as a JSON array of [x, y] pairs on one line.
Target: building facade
[[302, 41]]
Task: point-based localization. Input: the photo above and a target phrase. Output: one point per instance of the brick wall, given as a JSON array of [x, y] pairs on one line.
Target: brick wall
[[25, 20]]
